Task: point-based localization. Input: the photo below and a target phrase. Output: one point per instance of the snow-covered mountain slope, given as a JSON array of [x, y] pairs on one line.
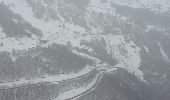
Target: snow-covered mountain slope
[[52, 41], [62, 36], [156, 6]]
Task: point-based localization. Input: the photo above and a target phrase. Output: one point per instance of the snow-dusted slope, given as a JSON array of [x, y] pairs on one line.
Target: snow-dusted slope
[[94, 30], [156, 6], [55, 34]]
